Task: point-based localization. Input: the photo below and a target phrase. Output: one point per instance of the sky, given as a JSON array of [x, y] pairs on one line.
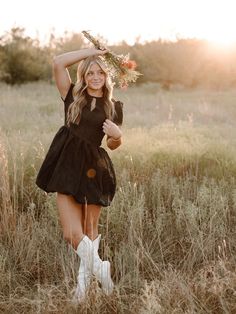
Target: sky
[[127, 20]]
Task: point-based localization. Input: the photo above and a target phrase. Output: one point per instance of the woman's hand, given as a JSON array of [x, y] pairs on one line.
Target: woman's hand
[[111, 129], [99, 52]]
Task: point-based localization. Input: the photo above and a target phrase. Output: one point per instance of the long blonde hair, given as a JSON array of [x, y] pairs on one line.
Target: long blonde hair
[[79, 91]]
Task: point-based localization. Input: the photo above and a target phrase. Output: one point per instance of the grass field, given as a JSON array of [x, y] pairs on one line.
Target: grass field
[[170, 232]]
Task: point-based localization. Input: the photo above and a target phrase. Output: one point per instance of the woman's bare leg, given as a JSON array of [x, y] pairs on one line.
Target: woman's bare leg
[[71, 217], [101, 269], [91, 220]]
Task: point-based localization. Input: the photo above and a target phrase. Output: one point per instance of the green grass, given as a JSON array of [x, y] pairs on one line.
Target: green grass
[[170, 231]]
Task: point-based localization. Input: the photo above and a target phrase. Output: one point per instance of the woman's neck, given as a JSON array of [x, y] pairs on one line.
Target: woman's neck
[[94, 92]]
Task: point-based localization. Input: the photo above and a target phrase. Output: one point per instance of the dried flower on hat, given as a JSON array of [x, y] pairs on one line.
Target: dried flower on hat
[[121, 68]]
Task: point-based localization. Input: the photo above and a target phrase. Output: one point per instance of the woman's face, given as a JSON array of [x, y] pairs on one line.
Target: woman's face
[[96, 77]]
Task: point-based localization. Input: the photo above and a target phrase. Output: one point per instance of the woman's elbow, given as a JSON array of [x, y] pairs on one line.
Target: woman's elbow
[[55, 61]]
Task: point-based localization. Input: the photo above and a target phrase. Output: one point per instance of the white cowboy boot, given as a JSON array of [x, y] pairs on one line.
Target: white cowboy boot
[[91, 263], [84, 276], [83, 282], [96, 242], [101, 269], [84, 250]]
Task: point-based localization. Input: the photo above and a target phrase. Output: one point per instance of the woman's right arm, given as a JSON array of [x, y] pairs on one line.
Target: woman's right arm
[[61, 62]]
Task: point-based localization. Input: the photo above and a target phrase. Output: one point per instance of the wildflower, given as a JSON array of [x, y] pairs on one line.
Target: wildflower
[[130, 64], [121, 68]]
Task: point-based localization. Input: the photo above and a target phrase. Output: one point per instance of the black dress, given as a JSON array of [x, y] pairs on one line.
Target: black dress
[[75, 163]]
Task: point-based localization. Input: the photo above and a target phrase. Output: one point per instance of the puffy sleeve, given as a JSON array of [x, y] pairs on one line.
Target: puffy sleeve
[[68, 99], [118, 118]]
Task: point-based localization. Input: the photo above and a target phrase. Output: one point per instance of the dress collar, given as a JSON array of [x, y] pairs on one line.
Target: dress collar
[[90, 97]]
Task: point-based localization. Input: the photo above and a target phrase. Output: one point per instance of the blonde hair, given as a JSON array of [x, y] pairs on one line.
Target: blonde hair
[[79, 91]]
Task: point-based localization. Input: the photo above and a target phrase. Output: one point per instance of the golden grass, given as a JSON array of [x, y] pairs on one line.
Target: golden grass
[[170, 231]]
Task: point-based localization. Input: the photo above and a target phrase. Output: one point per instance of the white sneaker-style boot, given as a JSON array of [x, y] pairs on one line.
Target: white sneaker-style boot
[[102, 269]]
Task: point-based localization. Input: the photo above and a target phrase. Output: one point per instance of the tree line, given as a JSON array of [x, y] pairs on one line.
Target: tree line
[[188, 63]]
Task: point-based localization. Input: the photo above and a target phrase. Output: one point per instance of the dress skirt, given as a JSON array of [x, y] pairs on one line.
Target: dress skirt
[[76, 166]]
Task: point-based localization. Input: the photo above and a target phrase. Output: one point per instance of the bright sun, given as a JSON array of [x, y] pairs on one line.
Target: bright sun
[[217, 22], [222, 37]]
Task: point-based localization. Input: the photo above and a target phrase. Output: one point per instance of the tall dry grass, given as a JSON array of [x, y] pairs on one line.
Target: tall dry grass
[[170, 231]]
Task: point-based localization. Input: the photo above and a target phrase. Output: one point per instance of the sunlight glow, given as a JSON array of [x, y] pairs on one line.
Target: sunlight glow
[[150, 20], [216, 22]]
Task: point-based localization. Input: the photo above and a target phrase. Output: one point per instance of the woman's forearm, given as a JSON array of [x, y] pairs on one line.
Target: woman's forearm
[[70, 58]]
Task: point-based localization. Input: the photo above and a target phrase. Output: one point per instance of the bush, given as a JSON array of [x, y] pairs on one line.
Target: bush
[[22, 59]]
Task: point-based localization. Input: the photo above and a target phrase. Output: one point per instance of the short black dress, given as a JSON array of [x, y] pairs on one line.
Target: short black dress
[[75, 163]]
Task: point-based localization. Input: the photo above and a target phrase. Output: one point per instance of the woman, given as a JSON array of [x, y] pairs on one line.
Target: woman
[[76, 166]]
